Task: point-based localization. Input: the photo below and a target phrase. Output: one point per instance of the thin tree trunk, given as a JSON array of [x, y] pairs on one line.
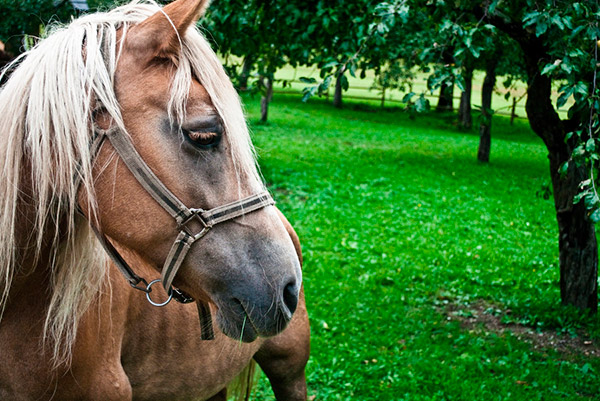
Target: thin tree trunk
[[513, 113], [337, 94], [383, 98], [446, 97], [485, 128], [266, 99], [245, 74], [465, 119]]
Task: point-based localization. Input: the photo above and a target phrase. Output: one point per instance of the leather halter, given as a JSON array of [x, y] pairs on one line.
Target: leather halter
[[193, 223]]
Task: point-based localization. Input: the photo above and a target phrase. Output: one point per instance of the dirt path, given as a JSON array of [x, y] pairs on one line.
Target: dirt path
[[478, 316]]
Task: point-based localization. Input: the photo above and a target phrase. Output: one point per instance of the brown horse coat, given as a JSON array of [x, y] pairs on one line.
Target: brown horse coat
[[122, 348]]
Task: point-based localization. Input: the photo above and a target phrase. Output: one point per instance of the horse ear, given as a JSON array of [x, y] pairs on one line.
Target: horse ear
[[159, 35]]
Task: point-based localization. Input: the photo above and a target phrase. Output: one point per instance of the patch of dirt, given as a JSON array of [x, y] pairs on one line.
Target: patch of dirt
[[484, 316]]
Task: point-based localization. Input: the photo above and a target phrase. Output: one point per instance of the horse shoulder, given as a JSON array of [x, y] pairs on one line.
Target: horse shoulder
[[164, 356]]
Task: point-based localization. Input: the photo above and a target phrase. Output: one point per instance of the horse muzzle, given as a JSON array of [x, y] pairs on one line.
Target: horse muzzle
[[247, 317]]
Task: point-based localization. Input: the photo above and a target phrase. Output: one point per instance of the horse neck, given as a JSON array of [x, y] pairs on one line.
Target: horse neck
[[33, 269]]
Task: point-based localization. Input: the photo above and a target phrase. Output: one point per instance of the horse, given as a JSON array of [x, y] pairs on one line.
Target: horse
[[128, 176]]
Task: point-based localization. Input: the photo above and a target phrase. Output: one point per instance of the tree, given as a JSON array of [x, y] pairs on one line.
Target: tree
[[265, 34], [559, 40], [465, 119], [28, 17], [392, 75], [354, 35], [446, 97], [485, 127], [499, 58]]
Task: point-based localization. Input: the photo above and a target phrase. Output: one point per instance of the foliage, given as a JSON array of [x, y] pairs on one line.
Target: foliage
[[398, 221], [558, 41], [26, 18], [393, 75], [271, 33], [573, 34], [355, 34]]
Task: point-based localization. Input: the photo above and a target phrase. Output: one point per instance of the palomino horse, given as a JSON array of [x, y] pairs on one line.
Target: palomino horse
[[122, 131]]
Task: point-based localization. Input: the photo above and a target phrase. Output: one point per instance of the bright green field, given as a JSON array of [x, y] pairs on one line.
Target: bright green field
[[398, 219]]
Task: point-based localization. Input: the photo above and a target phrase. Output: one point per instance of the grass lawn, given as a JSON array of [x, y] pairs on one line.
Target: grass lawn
[[401, 226]]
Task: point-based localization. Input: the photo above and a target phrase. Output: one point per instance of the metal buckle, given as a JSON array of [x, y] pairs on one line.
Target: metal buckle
[[195, 217], [149, 290]]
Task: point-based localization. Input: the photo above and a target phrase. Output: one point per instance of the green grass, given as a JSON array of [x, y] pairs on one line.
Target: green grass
[[397, 219]]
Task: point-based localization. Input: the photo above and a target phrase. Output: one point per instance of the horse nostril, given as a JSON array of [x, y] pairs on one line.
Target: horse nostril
[[290, 296]]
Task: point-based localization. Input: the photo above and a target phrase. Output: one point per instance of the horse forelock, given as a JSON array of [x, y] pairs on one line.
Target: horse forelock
[[46, 119]]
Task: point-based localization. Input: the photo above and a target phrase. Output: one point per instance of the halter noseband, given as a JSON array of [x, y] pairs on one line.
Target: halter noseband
[[193, 224]]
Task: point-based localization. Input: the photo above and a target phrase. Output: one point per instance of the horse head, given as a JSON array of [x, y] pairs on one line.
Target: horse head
[[182, 115]]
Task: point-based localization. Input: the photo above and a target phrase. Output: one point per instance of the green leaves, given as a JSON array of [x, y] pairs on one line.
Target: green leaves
[[553, 18], [579, 89], [420, 105], [316, 90], [590, 199], [344, 82], [549, 68], [562, 171], [590, 145], [308, 80]]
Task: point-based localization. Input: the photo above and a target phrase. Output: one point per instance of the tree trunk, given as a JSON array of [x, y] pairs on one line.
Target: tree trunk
[[337, 94], [577, 244], [465, 120], [513, 112], [446, 97], [383, 97], [485, 128], [245, 74], [266, 99]]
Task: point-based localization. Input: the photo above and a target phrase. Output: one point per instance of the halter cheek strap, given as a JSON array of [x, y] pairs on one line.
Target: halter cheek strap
[[193, 224]]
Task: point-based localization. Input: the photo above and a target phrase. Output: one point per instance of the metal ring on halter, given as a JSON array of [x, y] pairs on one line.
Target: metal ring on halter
[[149, 290]]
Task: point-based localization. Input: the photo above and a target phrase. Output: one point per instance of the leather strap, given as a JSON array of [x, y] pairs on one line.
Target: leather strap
[[145, 176], [206, 219], [206, 328], [193, 223]]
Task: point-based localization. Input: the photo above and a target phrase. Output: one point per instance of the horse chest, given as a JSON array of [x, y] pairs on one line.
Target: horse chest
[[165, 358]]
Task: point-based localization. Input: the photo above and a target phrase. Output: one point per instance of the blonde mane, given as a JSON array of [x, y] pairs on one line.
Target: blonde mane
[[46, 123]]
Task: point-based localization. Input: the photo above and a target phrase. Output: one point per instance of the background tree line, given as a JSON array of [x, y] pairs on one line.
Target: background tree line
[[541, 42]]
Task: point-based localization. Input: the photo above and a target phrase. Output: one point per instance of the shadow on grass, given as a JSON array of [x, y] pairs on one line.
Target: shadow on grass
[[519, 132]]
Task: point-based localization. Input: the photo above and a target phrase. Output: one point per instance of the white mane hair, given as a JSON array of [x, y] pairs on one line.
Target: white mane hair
[[46, 126]]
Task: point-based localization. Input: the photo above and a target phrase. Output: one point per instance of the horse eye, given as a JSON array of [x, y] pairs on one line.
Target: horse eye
[[203, 139]]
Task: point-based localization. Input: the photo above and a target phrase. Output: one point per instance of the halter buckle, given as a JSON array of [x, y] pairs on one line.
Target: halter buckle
[[195, 224]]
